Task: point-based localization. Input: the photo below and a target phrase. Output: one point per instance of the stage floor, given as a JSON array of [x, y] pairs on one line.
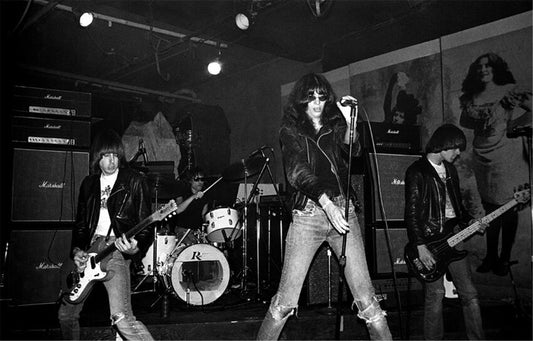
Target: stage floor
[[237, 315]]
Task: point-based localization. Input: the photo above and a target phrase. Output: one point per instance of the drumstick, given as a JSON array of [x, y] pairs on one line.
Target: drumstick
[[214, 183]]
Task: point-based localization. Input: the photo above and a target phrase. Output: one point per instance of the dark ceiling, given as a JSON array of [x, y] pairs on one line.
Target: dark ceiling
[[44, 36]]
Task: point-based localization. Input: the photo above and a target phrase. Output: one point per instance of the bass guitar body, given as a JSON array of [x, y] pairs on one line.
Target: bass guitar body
[[443, 259], [443, 248]]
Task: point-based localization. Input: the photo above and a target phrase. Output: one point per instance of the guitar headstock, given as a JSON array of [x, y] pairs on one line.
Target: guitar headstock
[[165, 211], [522, 195]]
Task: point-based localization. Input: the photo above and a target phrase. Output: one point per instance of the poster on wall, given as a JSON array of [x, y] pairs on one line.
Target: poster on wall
[[400, 87], [487, 79]]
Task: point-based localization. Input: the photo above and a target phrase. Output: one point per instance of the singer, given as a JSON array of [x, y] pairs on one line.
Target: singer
[[314, 133]]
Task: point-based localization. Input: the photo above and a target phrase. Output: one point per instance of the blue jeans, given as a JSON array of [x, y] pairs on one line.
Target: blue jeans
[[310, 227], [119, 293], [434, 293]]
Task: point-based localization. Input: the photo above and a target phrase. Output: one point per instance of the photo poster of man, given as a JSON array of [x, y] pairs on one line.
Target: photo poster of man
[[487, 77], [401, 87]]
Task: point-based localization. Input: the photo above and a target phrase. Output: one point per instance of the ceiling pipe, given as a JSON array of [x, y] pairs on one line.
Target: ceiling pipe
[[139, 25]]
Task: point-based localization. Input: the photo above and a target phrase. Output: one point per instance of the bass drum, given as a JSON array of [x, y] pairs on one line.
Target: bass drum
[[199, 273]]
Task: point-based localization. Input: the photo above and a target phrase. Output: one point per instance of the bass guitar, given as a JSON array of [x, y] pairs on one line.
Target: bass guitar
[[80, 283], [443, 248]]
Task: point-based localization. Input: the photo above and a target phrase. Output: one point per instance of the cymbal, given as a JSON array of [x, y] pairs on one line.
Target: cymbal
[[244, 168], [164, 185]]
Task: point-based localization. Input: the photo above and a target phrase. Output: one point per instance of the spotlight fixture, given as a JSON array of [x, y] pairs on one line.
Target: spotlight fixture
[[245, 20]]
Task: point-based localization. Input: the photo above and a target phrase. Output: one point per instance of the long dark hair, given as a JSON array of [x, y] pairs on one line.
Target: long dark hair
[[296, 107], [447, 136], [472, 84], [108, 141]]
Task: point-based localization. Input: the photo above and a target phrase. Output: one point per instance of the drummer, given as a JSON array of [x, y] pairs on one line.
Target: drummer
[[192, 206]]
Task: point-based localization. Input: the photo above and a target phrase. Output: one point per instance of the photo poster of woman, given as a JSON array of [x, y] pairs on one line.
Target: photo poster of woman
[[401, 87], [487, 77]]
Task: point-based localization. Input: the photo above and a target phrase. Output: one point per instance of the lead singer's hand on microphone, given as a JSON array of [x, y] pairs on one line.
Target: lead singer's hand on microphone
[[345, 106]]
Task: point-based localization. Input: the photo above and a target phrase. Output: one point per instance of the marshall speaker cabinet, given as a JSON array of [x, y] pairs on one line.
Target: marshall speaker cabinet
[[388, 178], [46, 183], [35, 265]]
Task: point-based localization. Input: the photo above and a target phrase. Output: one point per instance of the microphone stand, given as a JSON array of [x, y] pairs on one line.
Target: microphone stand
[[342, 258]]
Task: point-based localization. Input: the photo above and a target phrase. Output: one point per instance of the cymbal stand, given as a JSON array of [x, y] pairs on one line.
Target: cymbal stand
[[153, 271], [249, 198], [244, 282]]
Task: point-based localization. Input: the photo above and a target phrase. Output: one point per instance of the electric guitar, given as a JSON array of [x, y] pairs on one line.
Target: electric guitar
[[443, 248], [80, 283]]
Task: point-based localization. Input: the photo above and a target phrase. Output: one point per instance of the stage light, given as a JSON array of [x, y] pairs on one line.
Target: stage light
[[214, 67], [83, 15], [86, 18], [244, 20]]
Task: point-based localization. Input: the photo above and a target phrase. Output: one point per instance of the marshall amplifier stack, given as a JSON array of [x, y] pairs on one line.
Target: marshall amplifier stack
[[51, 136], [50, 139], [389, 149]]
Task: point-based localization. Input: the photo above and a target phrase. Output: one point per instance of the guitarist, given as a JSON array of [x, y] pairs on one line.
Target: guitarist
[[112, 200], [432, 197]]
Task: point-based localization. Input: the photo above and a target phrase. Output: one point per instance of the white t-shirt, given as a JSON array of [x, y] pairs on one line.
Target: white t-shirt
[[441, 171], [104, 221]]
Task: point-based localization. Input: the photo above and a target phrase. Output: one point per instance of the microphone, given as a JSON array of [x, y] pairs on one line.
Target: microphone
[[142, 150], [346, 102], [260, 150]]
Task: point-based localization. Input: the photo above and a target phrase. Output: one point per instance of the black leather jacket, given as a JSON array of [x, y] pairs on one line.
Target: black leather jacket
[[128, 204], [425, 200], [300, 149]]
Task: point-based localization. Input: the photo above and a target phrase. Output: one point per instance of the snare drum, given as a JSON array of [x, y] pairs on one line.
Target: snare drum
[[199, 274], [222, 222], [165, 245]]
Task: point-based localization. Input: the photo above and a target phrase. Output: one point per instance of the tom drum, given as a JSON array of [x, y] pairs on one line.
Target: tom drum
[[223, 225]]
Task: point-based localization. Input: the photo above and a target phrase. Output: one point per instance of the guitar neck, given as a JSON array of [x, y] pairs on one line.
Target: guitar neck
[[470, 230], [136, 229]]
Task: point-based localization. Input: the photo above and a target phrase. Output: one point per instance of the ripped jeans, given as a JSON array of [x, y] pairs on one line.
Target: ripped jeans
[[310, 227], [119, 294]]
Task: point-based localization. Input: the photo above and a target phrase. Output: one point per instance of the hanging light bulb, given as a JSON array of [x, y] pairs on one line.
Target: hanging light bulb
[[83, 15], [214, 67], [86, 18]]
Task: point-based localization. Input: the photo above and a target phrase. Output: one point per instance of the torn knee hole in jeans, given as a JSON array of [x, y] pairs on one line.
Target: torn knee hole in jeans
[[116, 318], [280, 312], [371, 313]]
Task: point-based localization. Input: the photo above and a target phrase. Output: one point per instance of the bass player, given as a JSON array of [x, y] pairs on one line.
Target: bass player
[[432, 197]]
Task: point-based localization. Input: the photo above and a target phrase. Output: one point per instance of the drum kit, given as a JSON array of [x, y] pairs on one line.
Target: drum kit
[[190, 264]]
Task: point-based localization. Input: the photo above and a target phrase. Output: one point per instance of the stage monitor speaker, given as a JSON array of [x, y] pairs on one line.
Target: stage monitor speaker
[[390, 170], [318, 284], [398, 240], [34, 263], [46, 184]]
